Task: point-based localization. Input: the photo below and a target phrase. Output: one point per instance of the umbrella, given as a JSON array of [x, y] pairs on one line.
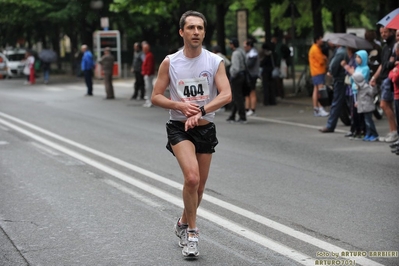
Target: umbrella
[[391, 20], [48, 56], [349, 40]]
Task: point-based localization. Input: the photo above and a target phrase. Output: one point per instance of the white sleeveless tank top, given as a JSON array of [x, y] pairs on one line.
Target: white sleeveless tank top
[[192, 80]]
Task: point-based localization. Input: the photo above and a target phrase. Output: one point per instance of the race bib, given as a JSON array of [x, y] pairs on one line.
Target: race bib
[[191, 90]]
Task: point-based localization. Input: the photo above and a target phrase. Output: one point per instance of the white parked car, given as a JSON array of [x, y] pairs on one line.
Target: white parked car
[[15, 62]]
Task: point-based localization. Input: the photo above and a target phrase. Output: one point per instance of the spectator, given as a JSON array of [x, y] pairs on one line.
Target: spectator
[[148, 71], [46, 71], [363, 94], [387, 63], [394, 76], [29, 69], [338, 74], [237, 78], [87, 66], [318, 69], [267, 64], [107, 63], [357, 130], [138, 58], [278, 45], [252, 64]]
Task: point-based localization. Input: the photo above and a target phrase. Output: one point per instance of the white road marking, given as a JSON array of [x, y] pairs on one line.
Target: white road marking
[[240, 230], [3, 142], [248, 214], [290, 123]]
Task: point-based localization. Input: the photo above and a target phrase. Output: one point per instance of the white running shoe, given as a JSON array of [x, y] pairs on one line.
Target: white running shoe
[[181, 233], [322, 112], [147, 104], [250, 112], [191, 249], [391, 137]]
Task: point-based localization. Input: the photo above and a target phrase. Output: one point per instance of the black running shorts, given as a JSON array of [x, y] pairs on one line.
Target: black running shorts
[[203, 137]]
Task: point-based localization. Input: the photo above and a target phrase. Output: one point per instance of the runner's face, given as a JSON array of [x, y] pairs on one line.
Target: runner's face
[[194, 31]]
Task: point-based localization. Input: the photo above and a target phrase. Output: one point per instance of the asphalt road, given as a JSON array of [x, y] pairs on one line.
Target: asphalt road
[[86, 181]]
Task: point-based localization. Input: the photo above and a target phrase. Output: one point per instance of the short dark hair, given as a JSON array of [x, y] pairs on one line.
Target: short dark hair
[[191, 13], [317, 37], [234, 42], [250, 42]]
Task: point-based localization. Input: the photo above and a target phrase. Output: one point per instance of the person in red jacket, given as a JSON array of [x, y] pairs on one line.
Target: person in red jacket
[[148, 71], [394, 76]]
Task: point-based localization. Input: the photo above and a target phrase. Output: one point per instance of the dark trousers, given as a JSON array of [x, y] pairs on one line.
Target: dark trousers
[[109, 88], [89, 80], [138, 85], [370, 127], [357, 123], [238, 97], [337, 102], [269, 89]]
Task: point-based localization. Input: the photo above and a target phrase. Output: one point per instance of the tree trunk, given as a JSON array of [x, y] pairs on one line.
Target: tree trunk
[[339, 23], [221, 35], [267, 25], [317, 18]]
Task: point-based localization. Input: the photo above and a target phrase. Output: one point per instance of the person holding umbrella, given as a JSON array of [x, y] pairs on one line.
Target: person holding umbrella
[[47, 57]]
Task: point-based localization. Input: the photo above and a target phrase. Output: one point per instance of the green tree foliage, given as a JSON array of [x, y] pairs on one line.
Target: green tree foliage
[[157, 20]]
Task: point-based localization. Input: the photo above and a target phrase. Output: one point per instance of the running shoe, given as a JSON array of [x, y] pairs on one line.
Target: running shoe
[[191, 249], [366, 138], [394, 145], [181, 233], [249, 112], [322, 112], [392, 137]]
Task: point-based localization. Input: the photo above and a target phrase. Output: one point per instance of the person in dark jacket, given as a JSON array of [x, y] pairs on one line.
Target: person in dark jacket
[[107, 64], [267, 63], [387, 64], [338, 73], [138, 58]]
